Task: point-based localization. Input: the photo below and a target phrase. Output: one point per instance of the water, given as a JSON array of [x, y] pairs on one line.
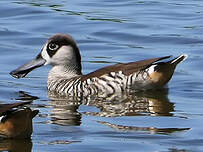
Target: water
[[107, 32]]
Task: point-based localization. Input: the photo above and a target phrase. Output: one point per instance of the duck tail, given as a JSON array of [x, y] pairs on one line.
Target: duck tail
[[179, 59]]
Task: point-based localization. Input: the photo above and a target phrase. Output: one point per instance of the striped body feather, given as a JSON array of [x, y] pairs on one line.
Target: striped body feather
[[107, 84]]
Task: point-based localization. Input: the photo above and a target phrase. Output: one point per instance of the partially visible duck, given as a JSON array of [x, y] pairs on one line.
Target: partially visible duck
[[62, 52], [16, 120]]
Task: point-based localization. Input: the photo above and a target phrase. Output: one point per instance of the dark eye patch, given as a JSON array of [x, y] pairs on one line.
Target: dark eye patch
[[57, 41], [52, 48]]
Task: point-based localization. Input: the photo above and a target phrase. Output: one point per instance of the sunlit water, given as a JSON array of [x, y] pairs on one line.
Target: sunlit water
[[107, 32]]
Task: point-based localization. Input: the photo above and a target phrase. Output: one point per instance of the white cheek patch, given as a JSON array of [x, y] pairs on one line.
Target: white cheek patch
[[64, 52], [63, 56], [45, 55]]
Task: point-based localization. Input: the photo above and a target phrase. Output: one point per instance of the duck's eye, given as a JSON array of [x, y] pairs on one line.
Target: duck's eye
[[53, 46]]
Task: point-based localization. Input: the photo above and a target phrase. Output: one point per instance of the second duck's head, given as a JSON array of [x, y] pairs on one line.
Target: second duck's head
[[59, 50]]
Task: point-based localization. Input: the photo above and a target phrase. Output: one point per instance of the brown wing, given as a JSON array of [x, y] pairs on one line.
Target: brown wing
[[7, 107], [126, 68]]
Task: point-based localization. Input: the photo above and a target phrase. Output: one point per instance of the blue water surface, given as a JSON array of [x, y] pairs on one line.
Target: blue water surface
[[107, 32]]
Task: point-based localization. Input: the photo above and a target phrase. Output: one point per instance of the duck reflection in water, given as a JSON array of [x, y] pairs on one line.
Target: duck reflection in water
[[151, 130], [133, 104], [65, 111], [149, 103], [153, 103]]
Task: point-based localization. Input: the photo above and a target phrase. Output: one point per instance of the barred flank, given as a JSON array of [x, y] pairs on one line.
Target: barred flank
[[107, 84]]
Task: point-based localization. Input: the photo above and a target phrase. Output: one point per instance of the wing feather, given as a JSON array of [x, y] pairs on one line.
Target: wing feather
[[126, 68]]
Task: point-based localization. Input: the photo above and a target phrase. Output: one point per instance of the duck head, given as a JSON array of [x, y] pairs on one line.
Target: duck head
[[59, 50]]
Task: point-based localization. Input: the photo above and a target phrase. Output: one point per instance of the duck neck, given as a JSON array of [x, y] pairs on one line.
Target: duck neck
[[64, 71]]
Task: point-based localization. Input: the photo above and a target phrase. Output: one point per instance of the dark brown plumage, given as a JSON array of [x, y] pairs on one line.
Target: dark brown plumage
[[16, 120], [126, 68]]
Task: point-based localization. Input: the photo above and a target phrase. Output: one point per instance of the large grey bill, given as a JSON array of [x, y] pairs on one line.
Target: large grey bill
[[23, 70]]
